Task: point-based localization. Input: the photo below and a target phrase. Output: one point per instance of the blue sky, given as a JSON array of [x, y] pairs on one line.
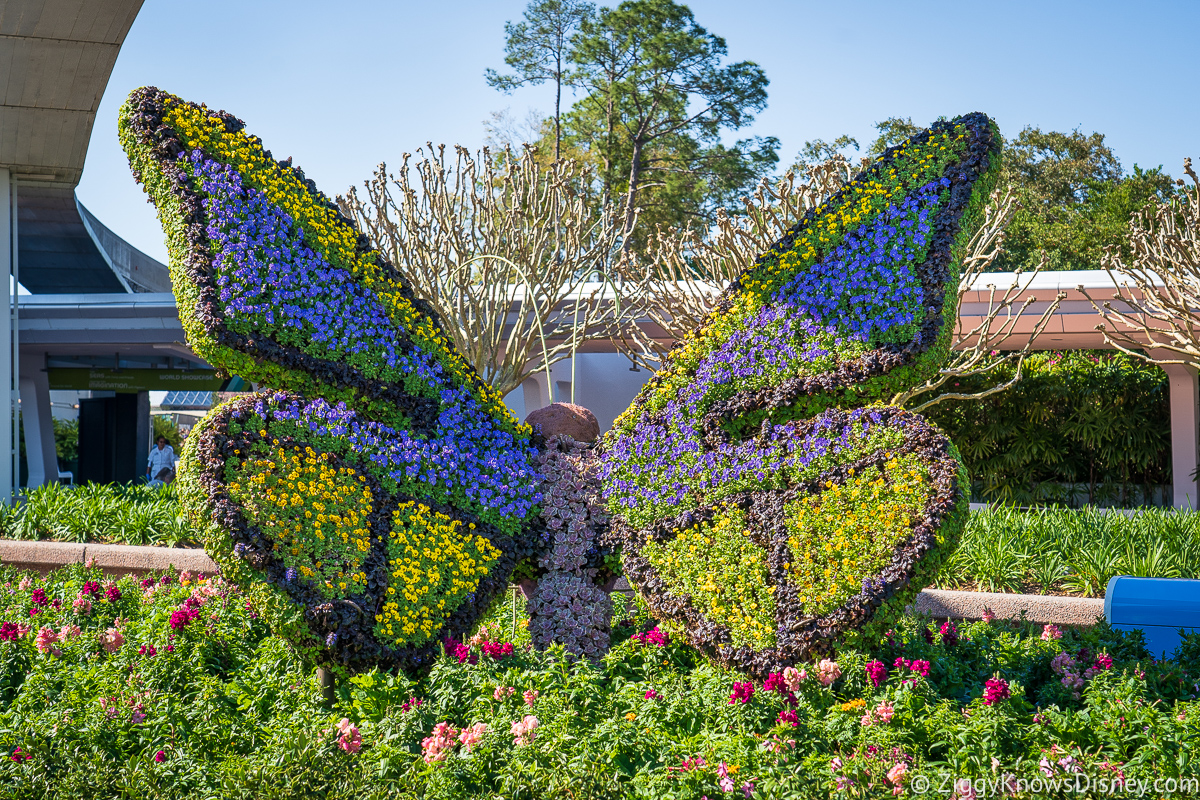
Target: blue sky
[[343, 86]]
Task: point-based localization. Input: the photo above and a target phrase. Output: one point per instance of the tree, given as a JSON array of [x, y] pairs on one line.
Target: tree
[[507, 250], [539, 49], [892, 131], [819, 151], [1075, 198], [657, 101]]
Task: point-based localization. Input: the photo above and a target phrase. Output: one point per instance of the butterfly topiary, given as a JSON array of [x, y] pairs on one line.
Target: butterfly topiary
[[377, 496], [767, 503]]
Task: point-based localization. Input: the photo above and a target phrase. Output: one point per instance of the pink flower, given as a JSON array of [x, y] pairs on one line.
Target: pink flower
[[994, 691], [788, 715], [439, 745], [502, 692], [160, 756], [866, 720], [138, 718], [988, 615], [531, 696], [651, 694], [897, 774], [884, 712], [1051, 632], [828, 672], [69, 632], [523, 731], [792, 678], [742, 692], [725, 782], [876, 673], [471, 736], [46, 639], [25, 583], [963, 790], [349, 737], [112, 640], [654, 637], [1104, 661]]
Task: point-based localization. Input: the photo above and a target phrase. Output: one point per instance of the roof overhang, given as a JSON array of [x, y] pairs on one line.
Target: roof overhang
[[55, 60]]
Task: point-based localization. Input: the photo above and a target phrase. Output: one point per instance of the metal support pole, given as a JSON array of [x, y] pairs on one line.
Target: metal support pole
[[9, 453]]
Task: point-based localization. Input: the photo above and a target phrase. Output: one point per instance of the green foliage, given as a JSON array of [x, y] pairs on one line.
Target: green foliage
[[1076, 551], [657, 101], [1075, 199], [165, 426], [66, 439], [95, 512], [539, 50], [223, 709], [892, 131], [1097, 419]]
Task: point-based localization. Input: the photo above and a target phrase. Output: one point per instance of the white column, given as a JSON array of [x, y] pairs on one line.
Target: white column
[[1185, 428], [8, 400], [536, 392], [36, 419]]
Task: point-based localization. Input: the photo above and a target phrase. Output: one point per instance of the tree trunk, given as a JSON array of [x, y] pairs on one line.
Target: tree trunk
[[635, 174]]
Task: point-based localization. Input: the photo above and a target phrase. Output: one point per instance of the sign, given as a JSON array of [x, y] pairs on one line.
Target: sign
[[134, 380]]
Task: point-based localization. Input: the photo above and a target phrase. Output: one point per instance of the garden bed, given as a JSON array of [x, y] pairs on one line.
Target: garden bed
[[174, 686]]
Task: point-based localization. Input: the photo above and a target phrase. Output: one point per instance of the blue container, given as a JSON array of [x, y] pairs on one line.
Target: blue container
[[1158, 606]]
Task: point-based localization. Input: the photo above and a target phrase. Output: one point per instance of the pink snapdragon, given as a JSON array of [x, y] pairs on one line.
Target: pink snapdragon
[[994, 691], [439, 745], [503, 692], [46, 641], [876, 673], [112, 639], [897, 774], [828, 672], [651, 694], [655, 637], [742, 692], [723, 780], [531, 696], [988, 615], [82, 604], [470, 736], [349, 737], [792, 678], [69, 632], [1051, 632], [523, 731]]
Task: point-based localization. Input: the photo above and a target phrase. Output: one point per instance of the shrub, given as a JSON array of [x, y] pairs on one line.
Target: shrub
[[378, 499], [1079, 427], [746, 507]]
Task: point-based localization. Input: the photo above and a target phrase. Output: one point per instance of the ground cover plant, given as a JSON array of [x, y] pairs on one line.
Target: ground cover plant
[[172, 686], [762, 510], [1071, 551], [379, 494], [104, 513]]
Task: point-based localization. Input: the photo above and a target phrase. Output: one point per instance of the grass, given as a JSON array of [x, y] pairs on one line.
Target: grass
[[103, 513], [1071, 551]]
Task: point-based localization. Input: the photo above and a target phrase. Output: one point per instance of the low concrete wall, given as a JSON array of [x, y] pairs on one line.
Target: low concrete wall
[[114, 559], [117, 559], [1037, 608]]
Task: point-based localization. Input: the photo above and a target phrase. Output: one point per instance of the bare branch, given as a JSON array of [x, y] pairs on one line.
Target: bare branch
[[1156, 302], [516, 262]]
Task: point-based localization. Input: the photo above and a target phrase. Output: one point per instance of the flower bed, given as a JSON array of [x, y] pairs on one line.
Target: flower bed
[[174, 685]]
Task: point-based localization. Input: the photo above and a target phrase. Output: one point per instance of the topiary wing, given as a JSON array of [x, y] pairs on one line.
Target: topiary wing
[[377, 496], [767, 505]]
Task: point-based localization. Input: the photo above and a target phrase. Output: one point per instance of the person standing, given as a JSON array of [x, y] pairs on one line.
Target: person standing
[[161, 466]]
